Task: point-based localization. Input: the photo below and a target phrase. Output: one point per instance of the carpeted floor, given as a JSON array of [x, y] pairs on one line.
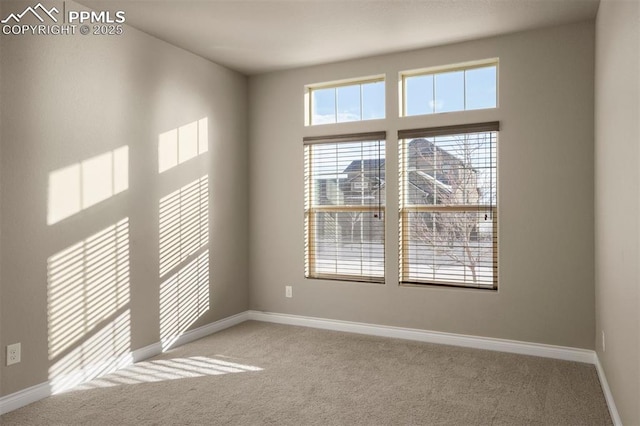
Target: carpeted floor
[[259, 373]]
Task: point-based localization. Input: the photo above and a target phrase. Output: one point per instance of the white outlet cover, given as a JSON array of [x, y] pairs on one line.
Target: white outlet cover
[[13, 354]]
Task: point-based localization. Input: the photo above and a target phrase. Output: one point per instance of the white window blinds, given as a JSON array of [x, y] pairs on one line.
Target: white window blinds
[[448, 205], [344, 207]]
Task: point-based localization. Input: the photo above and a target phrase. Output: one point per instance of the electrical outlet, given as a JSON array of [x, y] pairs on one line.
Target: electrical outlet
[[288, 291], [13, 354], [603, 343]]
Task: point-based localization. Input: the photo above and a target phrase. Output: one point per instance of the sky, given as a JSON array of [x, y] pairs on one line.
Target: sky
[[425, 94], [451, 91], [352, 103]]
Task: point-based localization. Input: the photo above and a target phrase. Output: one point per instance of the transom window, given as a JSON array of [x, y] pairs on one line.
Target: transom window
[[344, 207], [449, 89], [448, 206], [347, 101]]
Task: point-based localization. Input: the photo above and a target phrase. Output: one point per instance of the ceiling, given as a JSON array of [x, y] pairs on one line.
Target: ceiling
[[257, 36]]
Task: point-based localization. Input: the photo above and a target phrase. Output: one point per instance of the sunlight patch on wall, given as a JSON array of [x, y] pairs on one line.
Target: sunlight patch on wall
[[169, 369], [184, 223], [183, 260], [87, 305], [182, 144], [184, 297], [105, 350], [82, 185]]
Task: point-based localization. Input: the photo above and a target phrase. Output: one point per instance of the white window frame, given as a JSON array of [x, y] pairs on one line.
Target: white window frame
[[402, 96], [309, 89]]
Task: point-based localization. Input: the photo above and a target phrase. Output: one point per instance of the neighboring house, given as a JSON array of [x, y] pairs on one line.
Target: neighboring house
[[360, 183], [435, 176], [364, 183], [438, 177]]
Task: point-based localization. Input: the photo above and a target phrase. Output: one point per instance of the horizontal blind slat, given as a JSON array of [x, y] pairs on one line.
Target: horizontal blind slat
[[492, 126], [347, 137]]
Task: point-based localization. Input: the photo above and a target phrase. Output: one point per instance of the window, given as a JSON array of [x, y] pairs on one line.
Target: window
[[448, 205], [344, 102], [344, 207], [459, 88]]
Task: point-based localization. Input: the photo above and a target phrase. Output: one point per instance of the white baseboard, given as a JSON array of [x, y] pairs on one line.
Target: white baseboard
[[64, 382], [608, 396], [492, 344], [24, 397], [60, 384], [205, 330]]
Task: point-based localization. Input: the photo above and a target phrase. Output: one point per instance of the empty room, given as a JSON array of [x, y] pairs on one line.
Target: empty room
[[307, 212]]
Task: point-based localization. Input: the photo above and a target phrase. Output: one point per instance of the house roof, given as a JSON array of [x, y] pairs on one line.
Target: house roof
[[368, 165], [425, 146], [419, 178]]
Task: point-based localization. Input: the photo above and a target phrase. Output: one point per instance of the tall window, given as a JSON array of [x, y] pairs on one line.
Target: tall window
[[347, 101], [344, 207], [448, 205], [451, 88]]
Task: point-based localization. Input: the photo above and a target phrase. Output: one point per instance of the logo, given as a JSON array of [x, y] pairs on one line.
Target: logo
[[102, 17], [88, 22], [34, 11]]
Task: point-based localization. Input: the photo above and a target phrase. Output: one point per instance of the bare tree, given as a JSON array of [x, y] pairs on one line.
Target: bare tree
[[454, 235], [355, 220]]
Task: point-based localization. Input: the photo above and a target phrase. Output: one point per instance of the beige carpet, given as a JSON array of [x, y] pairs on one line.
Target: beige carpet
[[259, 373]]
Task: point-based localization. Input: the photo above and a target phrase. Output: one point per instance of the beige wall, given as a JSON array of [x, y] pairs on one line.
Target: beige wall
[[64, 101], [546, 290], [617, 196]]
